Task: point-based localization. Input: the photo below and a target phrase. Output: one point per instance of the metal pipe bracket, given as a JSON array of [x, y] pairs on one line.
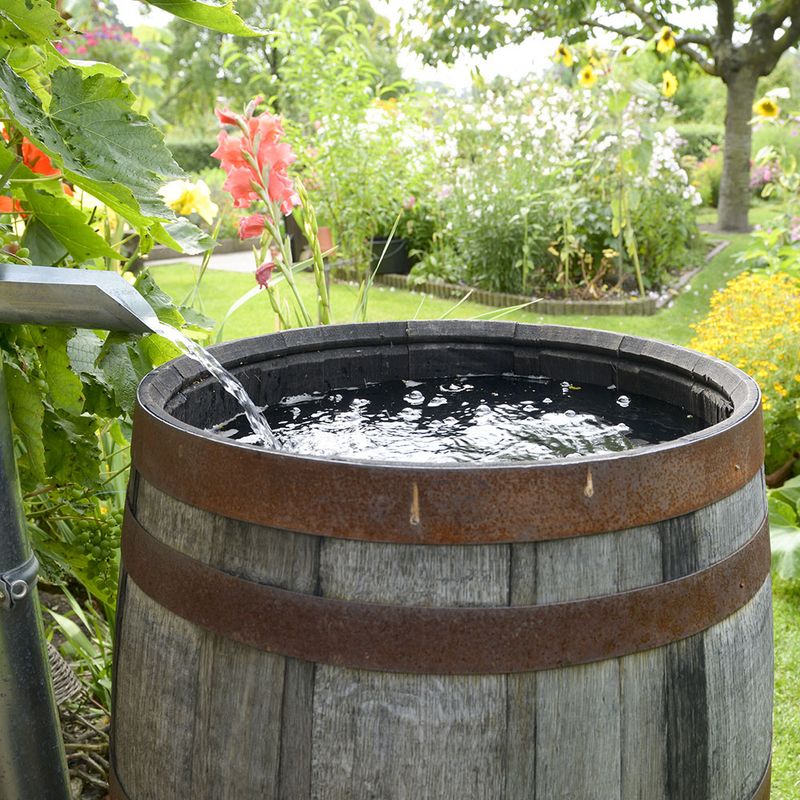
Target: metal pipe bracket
[[17, 583]]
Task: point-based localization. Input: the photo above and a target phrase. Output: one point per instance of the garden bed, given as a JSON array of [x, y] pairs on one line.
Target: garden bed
[[631, 306]]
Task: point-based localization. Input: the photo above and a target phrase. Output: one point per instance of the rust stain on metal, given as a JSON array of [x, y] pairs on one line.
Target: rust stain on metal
[[474, 504], [450, 640], [414, 516], [465, 504]]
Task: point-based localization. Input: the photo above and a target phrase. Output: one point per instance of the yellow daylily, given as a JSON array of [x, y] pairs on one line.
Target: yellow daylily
[[669, 84], [186, 197], [766, 107], [564, 55], [666, 40], [587, 77]]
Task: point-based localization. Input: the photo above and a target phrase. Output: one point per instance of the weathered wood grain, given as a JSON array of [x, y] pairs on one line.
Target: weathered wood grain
[[203, 717], [577, 708], [234, 693], [404, 737]]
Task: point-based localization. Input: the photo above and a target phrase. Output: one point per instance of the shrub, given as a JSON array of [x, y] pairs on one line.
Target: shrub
[[754, 323], [699, 138], [707, 178], [193, 155]]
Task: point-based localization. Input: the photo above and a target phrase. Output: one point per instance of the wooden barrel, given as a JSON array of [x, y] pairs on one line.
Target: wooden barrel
[[309, 628]]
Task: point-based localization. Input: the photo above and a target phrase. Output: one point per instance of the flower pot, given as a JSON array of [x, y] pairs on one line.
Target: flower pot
[[297, 626], [395, 259]]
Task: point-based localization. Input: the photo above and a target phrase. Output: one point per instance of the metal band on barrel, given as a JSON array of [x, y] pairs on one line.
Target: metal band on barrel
[[450, 640], [443, 504]]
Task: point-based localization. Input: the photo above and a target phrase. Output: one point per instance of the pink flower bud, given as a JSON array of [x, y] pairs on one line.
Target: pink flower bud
[[251, 226], [264, 273]]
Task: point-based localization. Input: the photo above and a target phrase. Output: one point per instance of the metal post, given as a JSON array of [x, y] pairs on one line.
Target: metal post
[[32, 761]]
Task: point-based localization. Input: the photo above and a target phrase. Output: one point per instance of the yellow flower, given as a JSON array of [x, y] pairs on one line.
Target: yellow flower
[[666, 40], [669, 84], [564, 55], [587, 77], [185, 197], [767, 108]]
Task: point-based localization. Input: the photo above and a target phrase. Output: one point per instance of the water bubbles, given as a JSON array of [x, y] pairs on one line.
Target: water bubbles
[[492, 418]]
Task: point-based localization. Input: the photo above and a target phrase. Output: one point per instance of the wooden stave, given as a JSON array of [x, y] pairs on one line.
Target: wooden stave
[[297, 677]]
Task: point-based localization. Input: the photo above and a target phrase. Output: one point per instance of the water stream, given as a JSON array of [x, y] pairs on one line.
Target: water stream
[[260, 427]]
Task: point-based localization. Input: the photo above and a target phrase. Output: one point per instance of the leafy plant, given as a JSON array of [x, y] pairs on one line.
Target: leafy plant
[[754, 323], [784, 524], [81, 169]]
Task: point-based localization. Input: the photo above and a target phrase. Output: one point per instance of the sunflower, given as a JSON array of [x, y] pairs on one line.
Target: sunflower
[[587, 77], [666, 40], [669, 84], [767, 108], [564, 55]]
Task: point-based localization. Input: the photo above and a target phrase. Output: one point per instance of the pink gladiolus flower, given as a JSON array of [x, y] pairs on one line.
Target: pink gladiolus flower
[[226, 116], [250, 167], [251, 226], [264, 273]]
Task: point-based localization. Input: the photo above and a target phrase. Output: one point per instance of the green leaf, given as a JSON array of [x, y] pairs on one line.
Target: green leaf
[[69, 225], [784, 529], [45, 249], [159, 301], [83, 350], [123, 366], [788, 493], [64, 386], [91, 130], [183, 236], [159, 350], [37, 18], [75, 637], [27, 412], [71, 449], [220, 15]]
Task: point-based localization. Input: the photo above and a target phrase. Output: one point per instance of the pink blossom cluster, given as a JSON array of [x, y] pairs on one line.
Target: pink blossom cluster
[[93, 37]]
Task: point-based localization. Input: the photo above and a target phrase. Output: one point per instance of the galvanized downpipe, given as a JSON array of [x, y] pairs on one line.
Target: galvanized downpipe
[[32, 760]]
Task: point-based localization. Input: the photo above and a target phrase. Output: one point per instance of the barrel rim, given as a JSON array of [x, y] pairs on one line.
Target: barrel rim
[[676, 476]]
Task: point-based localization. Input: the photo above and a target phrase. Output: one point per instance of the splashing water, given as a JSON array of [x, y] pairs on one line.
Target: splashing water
[[230, 384], [469, 419]]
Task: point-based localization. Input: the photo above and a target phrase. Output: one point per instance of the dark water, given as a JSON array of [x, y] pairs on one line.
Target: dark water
[[468, 419]]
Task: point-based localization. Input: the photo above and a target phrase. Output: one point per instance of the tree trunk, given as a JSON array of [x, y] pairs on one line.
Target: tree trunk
[[734, 190]]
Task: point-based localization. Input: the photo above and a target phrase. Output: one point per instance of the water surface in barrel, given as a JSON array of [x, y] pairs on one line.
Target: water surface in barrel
[[469, 419]]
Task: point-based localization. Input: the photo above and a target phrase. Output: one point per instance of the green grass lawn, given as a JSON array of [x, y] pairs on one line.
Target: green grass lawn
[[221, 289]]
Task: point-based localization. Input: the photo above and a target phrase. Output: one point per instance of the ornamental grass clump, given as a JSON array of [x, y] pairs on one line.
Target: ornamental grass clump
[[754, 323]]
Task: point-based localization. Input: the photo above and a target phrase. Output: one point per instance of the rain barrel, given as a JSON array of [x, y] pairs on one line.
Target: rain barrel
[[306, 628]]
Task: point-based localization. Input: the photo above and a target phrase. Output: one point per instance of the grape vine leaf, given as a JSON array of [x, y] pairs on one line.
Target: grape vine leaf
[[92, 132], [45, 249], [27, 412], [123, 366], [64, 387], [69, 225], [220, 15], [36, 18], [71, 449]]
